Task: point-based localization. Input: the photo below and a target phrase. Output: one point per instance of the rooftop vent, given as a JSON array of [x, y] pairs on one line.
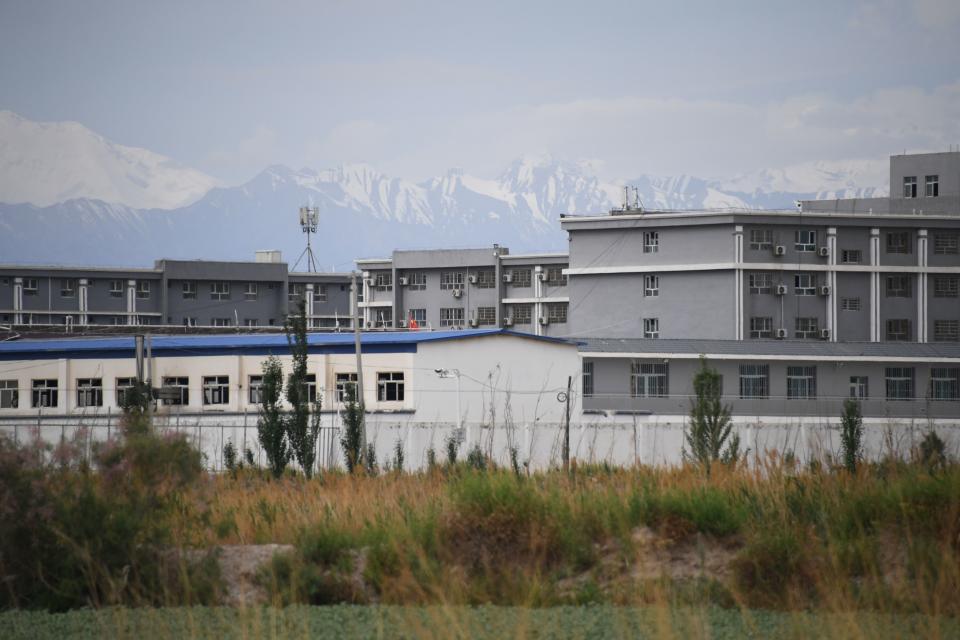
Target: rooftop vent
[[269, 256]]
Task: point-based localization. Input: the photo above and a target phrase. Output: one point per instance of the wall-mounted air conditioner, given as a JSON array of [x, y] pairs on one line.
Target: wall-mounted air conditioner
[[508, 322], [472, 279], [825, 334], [457, 293], [544, 320], [403, 280], [781, 334], [542, 276], [779, 250], [781, 290], [824, 252], [825, 290], [474, 322], [508, 277]]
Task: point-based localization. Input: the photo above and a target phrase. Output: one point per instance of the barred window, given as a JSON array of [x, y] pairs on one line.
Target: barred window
[[760, 283], [651, 327], [522, 313], [651, 286], [557, 312], [946, 330], [648, 380], [899, 382], [451, 317], [946, 244], [451, 280], [486, 279], [521, 278], [807, 328], [761, 239], [801, 383], [587, 379], [850, 304], [555, 277], [851, 256], [946, 286], [945, 383], [383, 281], [761, 327], [898, 242], [859, 387], [651, 241], [221, 290], [486, 316], [898, 330], [417, 281], [754, 381], [898, 286]]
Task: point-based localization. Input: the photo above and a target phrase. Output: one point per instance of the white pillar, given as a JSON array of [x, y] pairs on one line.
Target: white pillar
[[832, 282], [738, 282], [538, 293], [366, 299], [875, 285], [922, 285], [17, 301], [82, 299], [308, 306], [131, 302]]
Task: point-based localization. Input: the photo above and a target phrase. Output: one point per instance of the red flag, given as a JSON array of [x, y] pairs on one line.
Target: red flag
[[413, 323]]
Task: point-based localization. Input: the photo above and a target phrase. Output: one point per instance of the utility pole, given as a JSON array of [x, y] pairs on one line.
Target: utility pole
[[566, 426], [355, 294]]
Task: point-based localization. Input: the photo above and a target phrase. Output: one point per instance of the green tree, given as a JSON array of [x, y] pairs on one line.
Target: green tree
[[271, 427], [708, 436], [350, 442], [303, 421], [851, 434]]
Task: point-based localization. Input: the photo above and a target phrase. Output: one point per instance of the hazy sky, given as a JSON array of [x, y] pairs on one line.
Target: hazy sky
[[708, 88]]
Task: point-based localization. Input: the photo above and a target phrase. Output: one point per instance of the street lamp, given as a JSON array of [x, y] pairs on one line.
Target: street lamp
[[455, 373]]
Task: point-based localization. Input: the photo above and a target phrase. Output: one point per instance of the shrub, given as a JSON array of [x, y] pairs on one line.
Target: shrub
[[851, 435], [271, 430], [351, 442], [708, 435]]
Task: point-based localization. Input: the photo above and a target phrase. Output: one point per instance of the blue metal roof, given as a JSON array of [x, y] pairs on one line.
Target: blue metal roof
[[242, 344]]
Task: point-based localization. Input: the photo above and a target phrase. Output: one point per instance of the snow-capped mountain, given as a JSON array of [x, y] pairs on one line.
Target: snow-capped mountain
[[45, 163]]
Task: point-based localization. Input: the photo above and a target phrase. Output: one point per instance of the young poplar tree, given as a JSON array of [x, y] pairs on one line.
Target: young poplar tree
[[271, 427], [851, 434], [350, 441], [303, 421], [710, 424]]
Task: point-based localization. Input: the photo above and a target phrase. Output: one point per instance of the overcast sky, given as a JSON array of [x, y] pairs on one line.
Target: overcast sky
[[706, 88]]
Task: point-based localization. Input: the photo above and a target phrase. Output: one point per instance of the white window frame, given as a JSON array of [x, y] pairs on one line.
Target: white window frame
[[216, 390], [651, 241], [383, 281], [31, 286], [805, 240], [419, 315], [761, 239], [754, 381], [806, 327], [486, 316], [486, 279], [143, 290], [802, 383], [557, 312], [89, 392], [343, 381], [651, 286], [220, 322], [945, 383], [451, 316], [68, 288], [649, 379], [220, 290], [555, 277], [761, 327], [860, 387], [522, 313], [946, 330], [910, 187], [946, 244], [451, 280], [121, 387], [931, 187], [417, 281], [251, 291], [179, 382], [255, 389], [805, 284], [189, 290], [899, 383], [587, 379], [44, 392], [651, 328], [946, 286], [760, 282], [9, 394], [116, 289], [390, 383], [521, 278]]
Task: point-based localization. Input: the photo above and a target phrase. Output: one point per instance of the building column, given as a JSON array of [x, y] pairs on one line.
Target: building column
[[538, 293], [17, 301], [308, 304], [82, 299], [738, 282], [875, 285], [366, 300], [922, 285], [131, 302], [832, 283]]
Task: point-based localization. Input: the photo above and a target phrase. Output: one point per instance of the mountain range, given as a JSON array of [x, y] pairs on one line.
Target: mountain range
[[69, 196]]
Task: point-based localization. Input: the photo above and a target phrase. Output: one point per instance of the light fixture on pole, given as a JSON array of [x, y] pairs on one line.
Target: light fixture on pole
[[309, 219], [455, 373]]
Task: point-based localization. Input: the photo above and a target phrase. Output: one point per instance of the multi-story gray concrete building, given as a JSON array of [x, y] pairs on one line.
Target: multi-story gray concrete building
[[464, 288], [191, 293], [785, 298]]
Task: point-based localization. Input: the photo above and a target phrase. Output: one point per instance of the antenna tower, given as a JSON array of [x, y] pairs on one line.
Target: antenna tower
[[309, 217]]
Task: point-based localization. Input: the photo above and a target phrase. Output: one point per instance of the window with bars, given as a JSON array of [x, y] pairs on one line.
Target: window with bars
[[899, 383], [143, 289], [295, 291], [898, 286], [898, 330], [801, 383], [221, 290], [931, 186], [945, 383], [320, 292], [946, 286], [451, 317], [189, 290], [805, 240], [390, 386], [521, 278], [760, 283], [116, 288], [89, 392], [251, 291], [450, 280], [220, 322], [417, 281], [345, 382], [522, 313], [182, 385], [851, 256], [850, 304], [122, 387], [587, 379], [946, 244], [383, 281], [555, 277], [486, 279], [648, 379], [805, 284], [9, 394], [651, 241], [45, 393], [651, 327], [651, 286], [255, 390], [557, 312], [216, 390], [761, 239], [806, 328], [761, 327], [859, 387], [754, 381], [30, 286], [946, 330], [898, 242], [486, 316], [910, 186], [383, 318], [68, 288], [417, 315]]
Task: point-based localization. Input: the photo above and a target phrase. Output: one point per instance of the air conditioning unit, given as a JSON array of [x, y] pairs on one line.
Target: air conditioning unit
[[544, 320], [825, 334], [508, 278], [457, 293], [473, 322], [779, 250], [472, 279], [824, 252], [403, 280], [508, 322], [401, 324], [781, 334], [542, 276], [825, 290], [781, 290]]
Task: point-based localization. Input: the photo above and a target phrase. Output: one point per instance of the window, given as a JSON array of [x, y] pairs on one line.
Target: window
[[143, 289], [220, 322], [9, 394], [486, 316], [806, 328], [932, 186], [761, 239], [311, 382], [45, 393], [805, 240], [946, 286], [89, 392], [251, 291], [859, 387], [898, 242], [189, 290], [946, 330], [452, 280], [383, 281], [180, 385], [521, 278], [651, 241], [557, 312], [850, 304], [251, 322], [851, 256], [755, 381], [898, 286], [390, 387], [522, 313], [451, 317], [124, 385], [295, 291], [418, 315], [116, 288], [189, 321], [648, 380], [345, 381], [555, 277], [220, 290], [898, 330], [651, 286], [805, 284], [320, 292], [486, 279], [760, 283], [761, 327], [899, 383], [255, 390], [30, 286], [417, 281], [587, 379], [801, 383], [946, 244], [910, 187], [216, 390], [651, 327], [383, 319], [945, 383], [68, 288]]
